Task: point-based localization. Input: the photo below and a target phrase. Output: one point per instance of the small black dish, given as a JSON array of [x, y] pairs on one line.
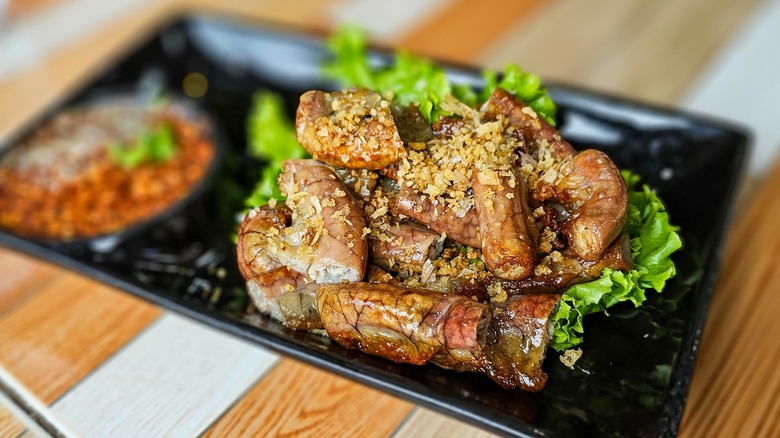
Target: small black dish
[[634, 374], [144, 94]]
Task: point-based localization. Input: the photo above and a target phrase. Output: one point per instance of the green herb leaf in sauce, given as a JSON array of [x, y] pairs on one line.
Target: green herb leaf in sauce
[[156, 146]]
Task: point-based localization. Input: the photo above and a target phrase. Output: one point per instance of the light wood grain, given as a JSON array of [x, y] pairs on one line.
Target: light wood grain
[[23, 96], [424, 422], [10, 426], [66, 330], [21, 277], [561, 36], [29, 409], [463, 29], [384, 20], [647, 50], [176, 378], [736, 385], [33, 90], [297, 400], [18, 9]]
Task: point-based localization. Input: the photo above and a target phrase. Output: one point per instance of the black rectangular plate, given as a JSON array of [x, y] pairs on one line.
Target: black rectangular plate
[[634, 374]]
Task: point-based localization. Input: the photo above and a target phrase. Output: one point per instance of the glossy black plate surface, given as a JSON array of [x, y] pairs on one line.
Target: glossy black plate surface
[[634, 374]]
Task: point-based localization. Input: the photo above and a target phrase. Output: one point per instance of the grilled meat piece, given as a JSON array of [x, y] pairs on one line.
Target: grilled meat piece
[[352, 129], [506, 341]]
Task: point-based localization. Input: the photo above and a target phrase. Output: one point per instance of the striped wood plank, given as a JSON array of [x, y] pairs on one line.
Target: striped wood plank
[[560, 37], [385, 20], [647, 50], [67, 329], [310, 14], [21, 276], [298, 400], [26, 42], [37, 417], [424, 422], [10, 426], [463, 29], [174, 379]]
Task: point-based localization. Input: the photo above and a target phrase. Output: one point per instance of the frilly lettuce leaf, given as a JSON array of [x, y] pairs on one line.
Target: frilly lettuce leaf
[[416, 80], [653, 240], [526, 86]]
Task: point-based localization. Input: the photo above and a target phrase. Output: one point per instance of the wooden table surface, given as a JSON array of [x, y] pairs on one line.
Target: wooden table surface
[[69, 344]]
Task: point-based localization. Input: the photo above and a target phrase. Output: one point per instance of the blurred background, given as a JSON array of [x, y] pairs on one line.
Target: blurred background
[[712, 56]]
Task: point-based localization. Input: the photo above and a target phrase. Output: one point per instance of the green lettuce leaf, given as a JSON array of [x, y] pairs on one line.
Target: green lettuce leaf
[[526, 86], [272, 139], [416, 80], [653, 240]]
